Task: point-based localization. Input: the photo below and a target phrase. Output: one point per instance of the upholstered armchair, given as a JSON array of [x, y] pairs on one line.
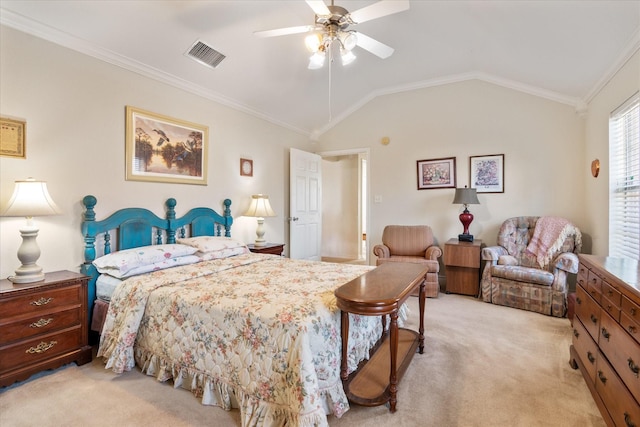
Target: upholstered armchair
[[411, 243], [528, 268]]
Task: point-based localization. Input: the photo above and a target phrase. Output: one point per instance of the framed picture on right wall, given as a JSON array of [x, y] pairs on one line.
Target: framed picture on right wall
[[487, 173]]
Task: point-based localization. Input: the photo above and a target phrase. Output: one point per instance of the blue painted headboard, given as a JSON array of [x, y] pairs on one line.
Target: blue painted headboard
[[135, 227]]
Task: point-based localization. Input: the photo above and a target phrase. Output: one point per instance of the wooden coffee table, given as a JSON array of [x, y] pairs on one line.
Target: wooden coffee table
[[381, 292]]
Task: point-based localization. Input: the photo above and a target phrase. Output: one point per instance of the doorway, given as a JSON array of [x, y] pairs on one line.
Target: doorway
[[345, 206]]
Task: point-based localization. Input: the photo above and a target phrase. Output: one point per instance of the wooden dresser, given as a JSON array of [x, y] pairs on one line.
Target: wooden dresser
[[269, 248], [43, 325], [606, 336]]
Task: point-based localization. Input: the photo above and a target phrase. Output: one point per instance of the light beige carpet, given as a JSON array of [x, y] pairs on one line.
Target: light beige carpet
[[484, 365]]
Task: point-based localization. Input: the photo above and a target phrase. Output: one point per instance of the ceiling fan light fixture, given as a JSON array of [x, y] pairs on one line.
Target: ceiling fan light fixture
[[317, 60], [348, 40], [347, 57], [313, 42]]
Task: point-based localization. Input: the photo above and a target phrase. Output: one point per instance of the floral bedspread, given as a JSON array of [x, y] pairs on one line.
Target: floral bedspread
[[253, 331]]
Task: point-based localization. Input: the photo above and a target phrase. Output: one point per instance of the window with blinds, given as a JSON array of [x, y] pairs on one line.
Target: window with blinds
[[624, 180]]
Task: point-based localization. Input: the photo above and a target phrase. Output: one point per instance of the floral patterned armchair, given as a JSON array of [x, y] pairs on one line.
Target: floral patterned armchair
[[411, 243], [528, 268]]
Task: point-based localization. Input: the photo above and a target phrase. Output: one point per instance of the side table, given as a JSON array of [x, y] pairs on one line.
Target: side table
[[462, 266], [269, 248]]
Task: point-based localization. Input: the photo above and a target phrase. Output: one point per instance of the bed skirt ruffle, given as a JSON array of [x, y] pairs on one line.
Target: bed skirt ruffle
[[253, 413]]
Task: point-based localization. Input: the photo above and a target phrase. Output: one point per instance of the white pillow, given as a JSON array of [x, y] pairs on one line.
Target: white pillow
[[206, 244], [119, 263], [223, 253], [167, 263]]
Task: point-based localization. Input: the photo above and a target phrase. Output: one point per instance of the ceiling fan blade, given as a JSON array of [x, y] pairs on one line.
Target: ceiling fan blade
[[319, 7], [378, 10], [374, 46], [285, 31]]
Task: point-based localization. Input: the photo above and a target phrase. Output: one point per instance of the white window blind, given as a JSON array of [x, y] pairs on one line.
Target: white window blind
[[624, 180]]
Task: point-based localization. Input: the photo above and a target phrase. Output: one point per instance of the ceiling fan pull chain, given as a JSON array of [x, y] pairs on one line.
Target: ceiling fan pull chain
[[330, 68]]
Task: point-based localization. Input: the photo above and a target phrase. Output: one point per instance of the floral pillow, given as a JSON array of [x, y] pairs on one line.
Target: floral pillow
[[161, 265], [206, 244], [119, 264]]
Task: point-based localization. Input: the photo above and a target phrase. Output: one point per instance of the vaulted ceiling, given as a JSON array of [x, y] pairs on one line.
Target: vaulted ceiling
[[562, 50]]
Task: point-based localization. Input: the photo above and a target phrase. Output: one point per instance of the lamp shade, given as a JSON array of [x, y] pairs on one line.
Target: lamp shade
[[31, 198], [260, 206], [466, 196]]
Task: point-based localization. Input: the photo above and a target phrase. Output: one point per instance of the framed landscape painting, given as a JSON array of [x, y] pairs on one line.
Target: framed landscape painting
[[487, 173], [164, 149], [436, 173]]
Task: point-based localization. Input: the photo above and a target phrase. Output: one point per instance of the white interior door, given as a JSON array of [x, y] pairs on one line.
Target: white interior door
[[305, 205]]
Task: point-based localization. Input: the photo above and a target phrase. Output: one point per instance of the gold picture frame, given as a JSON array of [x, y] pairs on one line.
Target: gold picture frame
[[164, 149], [13, 137], [436, 173]]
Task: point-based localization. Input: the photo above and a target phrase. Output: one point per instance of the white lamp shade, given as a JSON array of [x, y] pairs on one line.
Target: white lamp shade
[[260, 206], [31, 198]]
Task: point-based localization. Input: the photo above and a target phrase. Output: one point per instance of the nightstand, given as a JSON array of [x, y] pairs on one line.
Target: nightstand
[[43, 325], [462, 266], [269, 248]]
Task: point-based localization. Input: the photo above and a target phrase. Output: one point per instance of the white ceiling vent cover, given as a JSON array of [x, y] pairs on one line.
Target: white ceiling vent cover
[[205, 54]]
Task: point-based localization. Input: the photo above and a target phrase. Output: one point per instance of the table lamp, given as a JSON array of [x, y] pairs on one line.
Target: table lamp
[[259, 208], [465, 196], [30, 198]]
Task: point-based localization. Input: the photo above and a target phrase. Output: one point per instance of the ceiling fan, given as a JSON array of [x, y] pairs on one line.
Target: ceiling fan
[[331, 30]]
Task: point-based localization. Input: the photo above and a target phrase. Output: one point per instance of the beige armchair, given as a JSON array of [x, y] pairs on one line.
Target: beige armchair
[[411, 243], [528, 268]]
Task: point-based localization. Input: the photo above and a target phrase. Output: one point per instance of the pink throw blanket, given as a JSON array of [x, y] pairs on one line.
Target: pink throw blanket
[[548, 237]]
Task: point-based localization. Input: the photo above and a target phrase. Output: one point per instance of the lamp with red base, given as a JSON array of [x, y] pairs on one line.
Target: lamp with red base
[[466, 196]]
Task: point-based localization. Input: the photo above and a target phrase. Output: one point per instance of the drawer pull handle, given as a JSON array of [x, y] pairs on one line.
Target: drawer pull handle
[[594, 319], [590, 357], [41, 348], [40, 323], [603, 379], [634, 368], [605, 334], [627, 420], [610, 292], [41, 301], [578, 300], [632, 329], [633, 311], [576, 333]]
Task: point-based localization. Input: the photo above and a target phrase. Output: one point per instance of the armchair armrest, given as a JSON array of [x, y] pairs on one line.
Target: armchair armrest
[[381, 251], [433, 252], [492, 253], [567, 261]]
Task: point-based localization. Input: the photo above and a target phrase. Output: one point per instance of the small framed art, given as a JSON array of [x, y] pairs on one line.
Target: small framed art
[[436, 173], [163, 149], [13, 138], [487, 173], [246, 167]]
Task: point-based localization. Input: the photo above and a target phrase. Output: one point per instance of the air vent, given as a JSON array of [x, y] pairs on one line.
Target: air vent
[[205, 54]]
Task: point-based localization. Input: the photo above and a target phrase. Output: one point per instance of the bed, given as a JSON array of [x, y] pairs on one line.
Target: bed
[[240, 330]]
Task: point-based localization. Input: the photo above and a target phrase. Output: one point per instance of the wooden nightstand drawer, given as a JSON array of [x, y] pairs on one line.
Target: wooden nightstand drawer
[[40, 324], [40, 302], [40, 348]]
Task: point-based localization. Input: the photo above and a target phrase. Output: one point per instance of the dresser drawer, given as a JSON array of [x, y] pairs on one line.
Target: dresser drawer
[[588, 311], [43, 323], [586, 348], [40, 348], [620, 404], [622, 351], [42, 301], [611, 293], [594, 286]]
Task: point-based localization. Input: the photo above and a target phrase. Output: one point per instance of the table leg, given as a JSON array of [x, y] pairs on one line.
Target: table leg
[[344, 330], [421, 302], [393, 377]]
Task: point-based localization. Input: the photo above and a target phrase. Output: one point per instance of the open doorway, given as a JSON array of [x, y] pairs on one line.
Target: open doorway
[[345, 206]]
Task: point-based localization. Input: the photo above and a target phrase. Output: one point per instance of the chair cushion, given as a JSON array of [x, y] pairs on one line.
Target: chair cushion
[[407, 240], [523, 274], [433, 266]]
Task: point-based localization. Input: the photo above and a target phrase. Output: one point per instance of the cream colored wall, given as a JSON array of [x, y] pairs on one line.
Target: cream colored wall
[[542, 141], [74, 106], [624, 84], [340, 207]]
